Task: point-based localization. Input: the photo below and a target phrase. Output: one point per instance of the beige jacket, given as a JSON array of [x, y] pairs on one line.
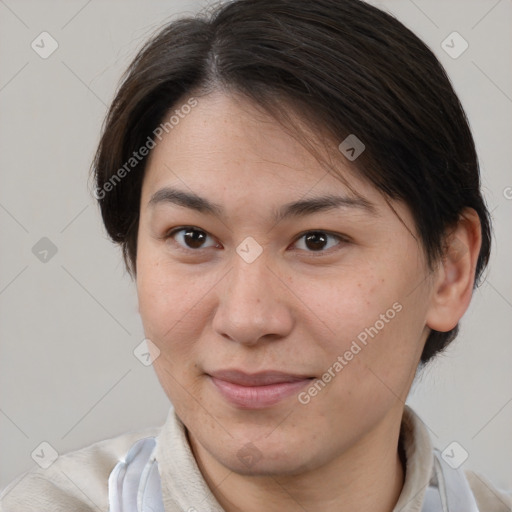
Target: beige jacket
[[78, 481]]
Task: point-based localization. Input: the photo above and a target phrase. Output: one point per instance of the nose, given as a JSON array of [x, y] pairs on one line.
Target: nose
[[254, 304]]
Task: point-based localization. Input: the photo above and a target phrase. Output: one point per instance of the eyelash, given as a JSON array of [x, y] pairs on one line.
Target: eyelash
[[342, 239]]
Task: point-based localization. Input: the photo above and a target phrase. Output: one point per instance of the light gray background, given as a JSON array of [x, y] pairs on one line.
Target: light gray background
[[68, 327]]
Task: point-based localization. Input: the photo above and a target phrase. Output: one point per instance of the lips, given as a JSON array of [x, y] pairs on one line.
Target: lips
[[259, 390]]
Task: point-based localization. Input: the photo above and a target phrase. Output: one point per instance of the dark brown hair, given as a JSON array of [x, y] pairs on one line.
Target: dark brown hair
[[342, 65]]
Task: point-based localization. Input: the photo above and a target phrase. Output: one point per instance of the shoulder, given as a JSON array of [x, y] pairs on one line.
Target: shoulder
[[76, 481], [488, 497]]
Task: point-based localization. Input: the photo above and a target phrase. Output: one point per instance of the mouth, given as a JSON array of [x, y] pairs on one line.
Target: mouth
[[258, 390]]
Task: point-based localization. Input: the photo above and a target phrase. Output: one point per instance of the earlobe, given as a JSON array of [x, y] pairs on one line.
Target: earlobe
[[455, 275]]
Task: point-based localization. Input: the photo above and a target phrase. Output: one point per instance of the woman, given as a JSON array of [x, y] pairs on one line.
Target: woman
[[296, 192]]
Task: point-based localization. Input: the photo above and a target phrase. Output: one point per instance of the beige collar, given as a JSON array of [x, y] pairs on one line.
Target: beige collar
[[416, 442]]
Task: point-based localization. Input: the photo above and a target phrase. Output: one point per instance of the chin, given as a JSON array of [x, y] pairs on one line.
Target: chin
[[282, 456], [275, 467]]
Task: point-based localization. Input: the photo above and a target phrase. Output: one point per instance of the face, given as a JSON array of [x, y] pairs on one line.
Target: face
[[286, 333]]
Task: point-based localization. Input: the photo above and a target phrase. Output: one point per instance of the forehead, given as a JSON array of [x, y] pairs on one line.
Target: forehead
[[228, 146]]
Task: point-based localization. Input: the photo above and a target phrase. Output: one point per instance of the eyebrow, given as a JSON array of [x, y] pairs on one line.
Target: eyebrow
[[299, 208]]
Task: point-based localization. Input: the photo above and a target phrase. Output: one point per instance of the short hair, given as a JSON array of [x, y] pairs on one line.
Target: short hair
[[345, 67]]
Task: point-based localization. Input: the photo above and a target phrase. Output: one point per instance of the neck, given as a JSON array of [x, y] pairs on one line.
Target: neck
[[369, 476]]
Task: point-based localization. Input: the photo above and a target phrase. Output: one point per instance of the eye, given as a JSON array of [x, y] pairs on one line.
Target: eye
[[318, 241], [190, 237], [193, 238]]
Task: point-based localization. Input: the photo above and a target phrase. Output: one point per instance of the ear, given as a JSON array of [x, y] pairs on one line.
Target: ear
[[455, 275]]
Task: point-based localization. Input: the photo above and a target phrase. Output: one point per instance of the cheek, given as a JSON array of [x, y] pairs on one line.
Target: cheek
[[375, 324], [348, 304], [170, 310], [167, 294], [166, 306]]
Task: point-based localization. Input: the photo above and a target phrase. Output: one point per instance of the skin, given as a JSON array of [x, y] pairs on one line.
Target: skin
[[295, 309]]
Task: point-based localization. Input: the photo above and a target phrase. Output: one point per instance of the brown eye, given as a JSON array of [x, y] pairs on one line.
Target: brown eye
[[190, 237], [318, 241], [315, 241]]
